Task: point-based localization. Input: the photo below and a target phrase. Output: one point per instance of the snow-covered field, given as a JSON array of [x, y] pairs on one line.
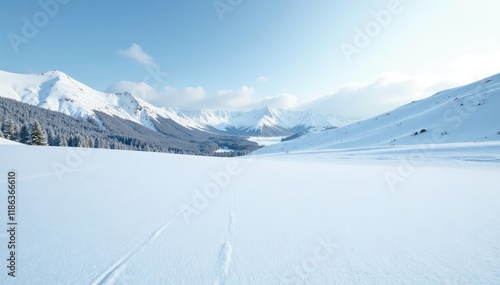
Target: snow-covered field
[[324, 217]]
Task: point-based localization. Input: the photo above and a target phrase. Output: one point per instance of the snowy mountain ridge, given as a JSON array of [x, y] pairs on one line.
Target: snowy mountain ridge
[[265, 121], [464, 114], [56, 91]]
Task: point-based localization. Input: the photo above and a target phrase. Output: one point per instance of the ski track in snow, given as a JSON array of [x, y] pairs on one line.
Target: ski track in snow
[[21, 178], [226, 250], [112, 274]]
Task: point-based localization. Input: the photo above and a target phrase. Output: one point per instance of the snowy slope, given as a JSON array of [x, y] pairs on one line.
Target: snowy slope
[[116, 217], [6, 141], [56, 91], [465, 114]]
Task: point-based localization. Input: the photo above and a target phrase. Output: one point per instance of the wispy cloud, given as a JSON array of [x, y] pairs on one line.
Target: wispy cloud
[[355, 100], [475, 66], [361, 100], [195, 98], [136, 53], [262, 79], [243, 98], [140, 90]]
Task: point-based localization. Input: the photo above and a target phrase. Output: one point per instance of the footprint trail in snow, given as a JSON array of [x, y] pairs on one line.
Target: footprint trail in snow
[[224, 259]]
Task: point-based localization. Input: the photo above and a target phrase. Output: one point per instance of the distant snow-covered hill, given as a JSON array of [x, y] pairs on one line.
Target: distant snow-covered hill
[[470, 113], [263, 122], [57, 91]]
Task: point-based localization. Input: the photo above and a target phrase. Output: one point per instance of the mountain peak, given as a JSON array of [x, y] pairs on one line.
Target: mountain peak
[[54, 73], [264, 121], [56, 91]]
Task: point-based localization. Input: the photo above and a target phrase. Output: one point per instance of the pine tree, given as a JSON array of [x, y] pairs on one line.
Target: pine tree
[[63, 141], [1, 134], [51, 137], [71, 141], [24, 134], [38, 136], [97, 143], [56, 141], [5, 130], [104, 144], [8, 129], [14, 135], [81, 142], [90, 143]]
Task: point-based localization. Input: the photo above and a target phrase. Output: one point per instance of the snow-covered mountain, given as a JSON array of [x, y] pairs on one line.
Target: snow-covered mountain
[[470, 113], [57, 91], [263, 122]]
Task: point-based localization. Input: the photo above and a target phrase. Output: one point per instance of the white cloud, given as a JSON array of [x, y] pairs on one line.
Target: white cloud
[[195, 98], [140, 90], [284, 101], [471, 67], [262, 79], [136, 53], [235, 99], [182, 98], [356, 100], [361, 100], [389, 91]]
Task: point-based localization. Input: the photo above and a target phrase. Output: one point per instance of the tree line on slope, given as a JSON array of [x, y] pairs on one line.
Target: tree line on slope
[[31, 134], [18, 123]]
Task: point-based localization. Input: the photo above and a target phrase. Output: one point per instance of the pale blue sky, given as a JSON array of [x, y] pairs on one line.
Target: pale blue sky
[[293, 46]]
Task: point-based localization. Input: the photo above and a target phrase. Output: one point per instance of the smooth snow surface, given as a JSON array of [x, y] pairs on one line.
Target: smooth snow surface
[[6, 141], [118, 217]]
